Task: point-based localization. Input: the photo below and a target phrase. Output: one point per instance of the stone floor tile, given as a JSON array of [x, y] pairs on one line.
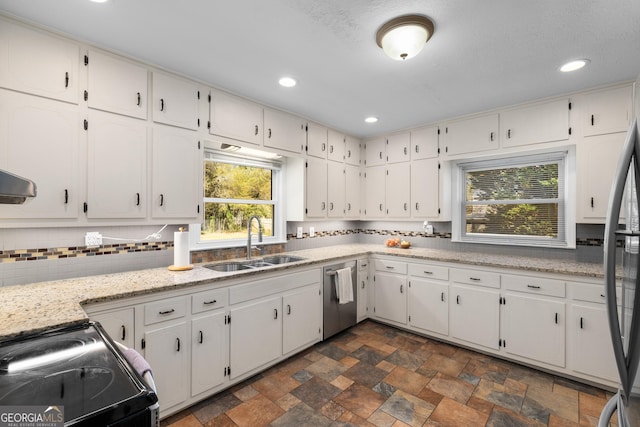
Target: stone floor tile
[[360, 400], [451, 387], [451, 413], [480, 405], [332, 410], [386, 366], [295, 364], [313, 356], [210, 409], [407, 408], [333, 351], [590, 405], [349, 361], [430, 396], [405, 343], [384, 389], [287, 401], [221, 421], [316, 392], [301, 415], [276, 385], [444, 364], [365, 374], [368, 355], [327, 368], [349, 419], [566, 391], [556, 421], [246, 393], [406, 380], [255, 412], [501, 417], [381, 419], [342, 382], [509, 395], [302, 376], [188, 421], [405, 359], [583, 388]]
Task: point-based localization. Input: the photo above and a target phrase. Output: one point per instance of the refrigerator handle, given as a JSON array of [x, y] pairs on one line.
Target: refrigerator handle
[[627, 367]]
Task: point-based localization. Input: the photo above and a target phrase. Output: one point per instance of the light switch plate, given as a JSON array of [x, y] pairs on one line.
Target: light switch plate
[[312, 231], [299, 233]]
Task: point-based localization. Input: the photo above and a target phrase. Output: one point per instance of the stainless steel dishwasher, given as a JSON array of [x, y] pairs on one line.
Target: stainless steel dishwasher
[[337, 317]]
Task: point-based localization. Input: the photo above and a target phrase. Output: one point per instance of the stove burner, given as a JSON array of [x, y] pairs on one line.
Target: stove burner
[[39, 355]]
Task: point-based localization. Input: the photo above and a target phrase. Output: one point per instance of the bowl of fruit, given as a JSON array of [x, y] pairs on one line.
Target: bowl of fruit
[[396, 242]]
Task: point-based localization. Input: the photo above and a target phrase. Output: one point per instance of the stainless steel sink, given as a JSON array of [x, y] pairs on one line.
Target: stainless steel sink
[[228, 267], [281, 259]]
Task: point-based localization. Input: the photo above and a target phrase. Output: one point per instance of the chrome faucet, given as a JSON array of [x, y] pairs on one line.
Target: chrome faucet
[[249, 234]]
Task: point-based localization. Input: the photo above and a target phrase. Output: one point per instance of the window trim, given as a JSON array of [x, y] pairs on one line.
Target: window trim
[[278, 200], [566, 172]]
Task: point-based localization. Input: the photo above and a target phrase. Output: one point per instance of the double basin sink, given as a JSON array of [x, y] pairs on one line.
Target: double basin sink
[[252, 264]]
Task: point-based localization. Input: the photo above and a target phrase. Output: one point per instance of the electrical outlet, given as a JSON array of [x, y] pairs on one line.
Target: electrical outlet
[[93, 238], [312, 231], [299, 233]]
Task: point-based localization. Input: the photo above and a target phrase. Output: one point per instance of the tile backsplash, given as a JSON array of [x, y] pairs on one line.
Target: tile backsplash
[[33, 255]]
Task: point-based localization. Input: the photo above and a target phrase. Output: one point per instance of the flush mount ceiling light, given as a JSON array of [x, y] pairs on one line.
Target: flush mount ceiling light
[[405, 36], [574, 65], [371, 119], [287, 82]]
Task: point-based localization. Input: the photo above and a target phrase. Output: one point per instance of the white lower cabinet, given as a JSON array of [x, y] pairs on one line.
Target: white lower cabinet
[[390, 291], [592, 348], [534, 328], [167, 351], [209, 352], [362, 297], [118, 324], [429, 305], [475, 315], [301, 318]]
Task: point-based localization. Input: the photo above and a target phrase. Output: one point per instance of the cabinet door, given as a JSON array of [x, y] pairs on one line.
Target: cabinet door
[[398, 148], [39, 140], [117, 167], [362, 286], [475, 316], [209, 352], [597, 159], [317, 140], [424, 143], [167, 351], [256, 335], [175, 102], [316, 183], [352, 151], [592, 350], [284, 131], [390, 297], [428, 305], [374, 182], [398, 193], [236, 118], [336, 189], [471, 135], [37, 63], [352, 191], [175, 173], [535, 328], [116, 85], [607, 111], [425, 188], [534, 124], [118, 324], [375, 152], [301, 318], [336, 143]]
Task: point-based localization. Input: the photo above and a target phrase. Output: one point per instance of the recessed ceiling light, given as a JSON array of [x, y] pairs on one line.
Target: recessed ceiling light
[[574, 65], [371, 119], [287, 82]]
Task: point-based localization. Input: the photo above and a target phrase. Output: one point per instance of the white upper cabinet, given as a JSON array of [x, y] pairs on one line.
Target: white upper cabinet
[[375, 152], [316, 188], [352, 191], [336, 187], [175, 101], [284, 131], [39, 140], [545, 122], [175, 173], [374, 196], [424, 143], [352, 151], [316, 140], [398, 148], [37, 63], [336, 146], [398, 193], [607, 111], [425, 188], [478, 133], [116, 85], [235, 118], [117, 166]]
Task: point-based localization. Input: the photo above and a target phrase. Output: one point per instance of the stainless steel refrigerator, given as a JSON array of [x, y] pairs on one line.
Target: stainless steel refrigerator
[[622, 239]]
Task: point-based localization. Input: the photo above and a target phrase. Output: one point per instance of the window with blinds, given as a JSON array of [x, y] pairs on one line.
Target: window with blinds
[[518, 200]]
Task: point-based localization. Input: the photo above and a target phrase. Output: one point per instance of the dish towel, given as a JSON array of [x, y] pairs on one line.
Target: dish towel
[[344, 286], [137, 362]]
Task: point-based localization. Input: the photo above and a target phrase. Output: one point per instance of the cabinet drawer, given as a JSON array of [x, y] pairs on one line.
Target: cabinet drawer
[[429, 271], [534, 285], [391, 266], [208, 300], [476, 277], [166, 309], [591, 293]]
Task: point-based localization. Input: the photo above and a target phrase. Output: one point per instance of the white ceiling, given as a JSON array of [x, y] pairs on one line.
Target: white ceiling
[[484, 54]]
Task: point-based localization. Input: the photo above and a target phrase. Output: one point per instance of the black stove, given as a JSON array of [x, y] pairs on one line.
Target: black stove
[[79, 369]]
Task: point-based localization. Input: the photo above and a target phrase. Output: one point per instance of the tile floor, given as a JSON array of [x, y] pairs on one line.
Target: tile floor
[[376, 375]]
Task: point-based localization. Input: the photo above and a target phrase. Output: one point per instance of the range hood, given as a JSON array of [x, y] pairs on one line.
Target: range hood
[[15, 190]]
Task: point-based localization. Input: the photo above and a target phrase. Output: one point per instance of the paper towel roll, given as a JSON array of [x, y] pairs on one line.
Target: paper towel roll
[[181, 256]]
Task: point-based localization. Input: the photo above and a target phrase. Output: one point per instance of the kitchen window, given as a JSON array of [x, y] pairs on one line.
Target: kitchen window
[[236, 187], [523, 200]]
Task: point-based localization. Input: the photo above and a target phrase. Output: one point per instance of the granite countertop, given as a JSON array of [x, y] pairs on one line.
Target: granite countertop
[[47, 305]]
